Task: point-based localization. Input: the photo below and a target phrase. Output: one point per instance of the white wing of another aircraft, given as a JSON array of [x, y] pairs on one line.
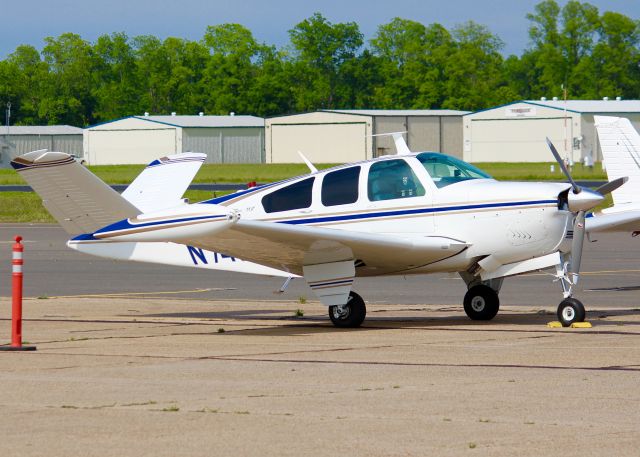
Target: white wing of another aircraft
[[620, 145]]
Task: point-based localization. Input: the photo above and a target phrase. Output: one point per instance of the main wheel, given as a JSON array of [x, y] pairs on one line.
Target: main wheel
[[481, 303], [350, 315], [570, 310]]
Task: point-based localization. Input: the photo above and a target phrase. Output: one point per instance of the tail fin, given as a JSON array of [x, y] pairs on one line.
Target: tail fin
[[75, 197], [163, 183], [620, 145]]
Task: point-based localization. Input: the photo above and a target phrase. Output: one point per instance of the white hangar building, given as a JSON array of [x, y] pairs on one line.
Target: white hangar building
[[18, 140], [142, 139], [516, 132], [339, 136]]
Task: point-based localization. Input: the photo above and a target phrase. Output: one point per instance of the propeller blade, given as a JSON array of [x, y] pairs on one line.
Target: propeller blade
[[577, 244], [576, 187], [611, 185]]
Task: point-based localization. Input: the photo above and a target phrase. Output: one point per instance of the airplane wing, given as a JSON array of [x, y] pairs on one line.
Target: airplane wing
[[290, 247], [164, 181], [620, 221]]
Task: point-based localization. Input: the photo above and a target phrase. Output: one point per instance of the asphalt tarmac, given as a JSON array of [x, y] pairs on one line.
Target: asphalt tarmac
[[610, 277], [170, 377], [137, 359]]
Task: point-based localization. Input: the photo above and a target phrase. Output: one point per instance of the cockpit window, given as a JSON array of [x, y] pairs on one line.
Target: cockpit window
[[391, 179], [294, 196], [446, 170]]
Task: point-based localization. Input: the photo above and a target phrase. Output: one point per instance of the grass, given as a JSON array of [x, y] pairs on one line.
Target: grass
[[22, 207], [263, 173], [540, 171]]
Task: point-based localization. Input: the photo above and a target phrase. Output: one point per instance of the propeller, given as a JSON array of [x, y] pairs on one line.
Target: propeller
[[612, 185], [576, 188], [581, 201]]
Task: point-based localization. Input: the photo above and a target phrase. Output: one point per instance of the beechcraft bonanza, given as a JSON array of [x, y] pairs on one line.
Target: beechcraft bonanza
[[411, 213]]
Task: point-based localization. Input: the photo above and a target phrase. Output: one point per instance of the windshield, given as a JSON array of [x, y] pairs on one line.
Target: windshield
[[446, 170]]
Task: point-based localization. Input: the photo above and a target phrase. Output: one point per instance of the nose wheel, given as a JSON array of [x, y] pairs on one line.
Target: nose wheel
[[570, 310], [349, 315]]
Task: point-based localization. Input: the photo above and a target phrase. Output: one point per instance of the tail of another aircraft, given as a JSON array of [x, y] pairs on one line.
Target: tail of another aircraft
[[620, 145]]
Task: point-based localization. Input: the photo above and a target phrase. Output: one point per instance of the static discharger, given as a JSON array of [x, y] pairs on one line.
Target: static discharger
[[16, 308]]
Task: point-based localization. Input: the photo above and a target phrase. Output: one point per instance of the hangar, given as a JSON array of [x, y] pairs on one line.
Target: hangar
[[339, 136], [141, 139], [516, 132], [19, 140]]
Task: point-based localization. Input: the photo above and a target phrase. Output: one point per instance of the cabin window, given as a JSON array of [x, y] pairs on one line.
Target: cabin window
[[340, 187], [446, 170], [390, 179], [293, 196]]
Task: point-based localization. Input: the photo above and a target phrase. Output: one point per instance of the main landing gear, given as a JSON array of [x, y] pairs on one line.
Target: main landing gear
[[349, 315], [481, 303]]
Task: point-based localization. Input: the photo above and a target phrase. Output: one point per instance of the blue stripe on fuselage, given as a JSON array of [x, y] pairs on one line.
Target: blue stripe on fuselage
[[348, 217]]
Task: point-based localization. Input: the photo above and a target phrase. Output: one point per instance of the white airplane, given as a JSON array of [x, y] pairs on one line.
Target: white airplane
[[413, 213], [620, 145]]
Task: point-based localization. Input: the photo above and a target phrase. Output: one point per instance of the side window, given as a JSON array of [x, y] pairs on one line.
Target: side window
[[391, 179], [340, 187], [294, 196]]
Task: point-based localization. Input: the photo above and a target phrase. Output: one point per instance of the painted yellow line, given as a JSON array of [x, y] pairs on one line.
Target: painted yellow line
[[127, 294]]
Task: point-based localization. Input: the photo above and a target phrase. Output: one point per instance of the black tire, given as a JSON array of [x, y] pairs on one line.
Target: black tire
[[481, 303], [571, 310], [353, 314]]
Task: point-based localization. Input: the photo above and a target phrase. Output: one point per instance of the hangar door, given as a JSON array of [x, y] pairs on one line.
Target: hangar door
[[109, 147], [321, 143], [517, 140]]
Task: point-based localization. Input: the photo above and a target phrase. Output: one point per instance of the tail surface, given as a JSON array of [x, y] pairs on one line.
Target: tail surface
[[163, 182], [620, 145], [79, 200]]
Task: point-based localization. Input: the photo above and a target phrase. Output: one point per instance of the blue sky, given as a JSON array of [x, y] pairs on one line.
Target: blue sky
[[30, 21]]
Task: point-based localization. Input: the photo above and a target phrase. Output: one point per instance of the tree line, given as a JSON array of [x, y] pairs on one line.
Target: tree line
[[325, 65]]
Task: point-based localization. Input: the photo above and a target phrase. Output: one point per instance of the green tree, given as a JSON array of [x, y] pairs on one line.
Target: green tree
[[23, 81], [230, 71], [616, 57], [320, 49], [116, 86], [474, 72], [68, 95], [170, 74], [405, 52]]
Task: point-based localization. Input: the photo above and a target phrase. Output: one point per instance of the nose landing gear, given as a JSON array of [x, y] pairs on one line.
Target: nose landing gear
[[570, 309]]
